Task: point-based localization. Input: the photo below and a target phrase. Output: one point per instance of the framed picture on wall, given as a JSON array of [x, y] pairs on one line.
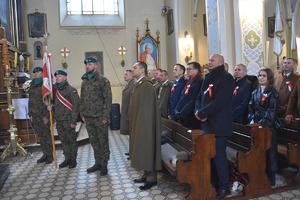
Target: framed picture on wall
[[271, 26], [5, 19], [37, 24], [148, 52], [38, 48]]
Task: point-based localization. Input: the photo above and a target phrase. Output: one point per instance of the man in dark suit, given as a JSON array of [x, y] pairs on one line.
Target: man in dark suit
[[213, 108], [176, 90], [241, 95], [186, 104]]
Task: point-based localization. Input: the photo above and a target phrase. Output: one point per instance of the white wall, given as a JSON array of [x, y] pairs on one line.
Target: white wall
[[108, 41]]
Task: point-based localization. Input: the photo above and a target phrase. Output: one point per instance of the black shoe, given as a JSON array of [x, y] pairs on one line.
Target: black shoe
[[64, 164], [49, 160], [126, 154], [148, 185], [140, 180], [72, 164], [222, 193], [42, 159], [103, 171], [94, 168]]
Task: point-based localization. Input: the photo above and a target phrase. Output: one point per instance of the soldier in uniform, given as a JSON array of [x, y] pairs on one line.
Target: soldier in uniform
[[95, 105], [164, 93], [39, 115], [66, 111]]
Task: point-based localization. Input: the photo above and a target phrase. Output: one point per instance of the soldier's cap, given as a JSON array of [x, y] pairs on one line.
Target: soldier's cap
[[61, 72], [90, 60], [37, 69]]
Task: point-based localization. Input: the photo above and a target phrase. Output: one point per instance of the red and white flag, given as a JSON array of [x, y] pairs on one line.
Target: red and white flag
[[47, 80]]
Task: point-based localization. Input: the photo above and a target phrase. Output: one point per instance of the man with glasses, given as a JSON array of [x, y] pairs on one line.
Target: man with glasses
[[184, 110]]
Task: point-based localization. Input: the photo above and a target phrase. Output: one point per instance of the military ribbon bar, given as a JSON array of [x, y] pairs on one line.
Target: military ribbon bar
[[64, 101], [263, 99], [235, 92], [187, 90], [288, 83], [210, 90]]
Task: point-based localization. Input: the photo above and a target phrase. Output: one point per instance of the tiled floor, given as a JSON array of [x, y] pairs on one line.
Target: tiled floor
[[29, 180]]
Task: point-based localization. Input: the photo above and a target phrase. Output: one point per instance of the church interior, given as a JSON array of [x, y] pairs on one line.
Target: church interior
[[256, 33]]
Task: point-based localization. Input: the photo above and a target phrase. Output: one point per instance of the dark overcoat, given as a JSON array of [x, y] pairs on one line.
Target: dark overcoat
[[240, 100], [124, 129], [144, 124], [216, 108]]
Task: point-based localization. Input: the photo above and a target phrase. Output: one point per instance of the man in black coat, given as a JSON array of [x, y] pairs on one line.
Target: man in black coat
[[184, 110], [241, 95], [213, 108]]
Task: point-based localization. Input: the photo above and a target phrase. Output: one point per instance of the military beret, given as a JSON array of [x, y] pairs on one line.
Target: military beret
[[37, 69], [61, 72], [90, 60]]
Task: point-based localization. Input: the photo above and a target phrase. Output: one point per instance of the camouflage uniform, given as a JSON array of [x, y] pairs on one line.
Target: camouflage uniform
[[65, 117], [95, 105], [38, 110]]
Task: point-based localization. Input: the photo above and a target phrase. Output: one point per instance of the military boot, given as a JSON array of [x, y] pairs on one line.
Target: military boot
[[42, 159], [72, 164], [64, 164], [103, 171], [94, 168]]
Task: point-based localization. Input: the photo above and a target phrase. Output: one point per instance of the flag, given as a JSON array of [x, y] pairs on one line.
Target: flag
[[293, 38], [47, 80], [278, 32]]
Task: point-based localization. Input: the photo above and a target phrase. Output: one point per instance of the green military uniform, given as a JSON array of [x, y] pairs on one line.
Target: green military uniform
[[95, 105], [65, 117], [164, 97], [144, 124], [37, 110], [124, 129]]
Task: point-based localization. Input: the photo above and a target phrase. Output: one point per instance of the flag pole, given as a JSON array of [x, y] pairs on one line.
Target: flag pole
[[52, 135]]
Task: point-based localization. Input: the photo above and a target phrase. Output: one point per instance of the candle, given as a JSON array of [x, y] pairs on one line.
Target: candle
[[7, 71], [267, 53], [5, 54], [16, 60], [28, 64], [62, 61]]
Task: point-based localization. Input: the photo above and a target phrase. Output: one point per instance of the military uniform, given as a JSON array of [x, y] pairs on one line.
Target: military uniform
[[65, 117], [163, 98], [95, 105], [38, 111]]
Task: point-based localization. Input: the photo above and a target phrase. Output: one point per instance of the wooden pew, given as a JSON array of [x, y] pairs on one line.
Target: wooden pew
[[249, 144], [288, 138], [200, 148]]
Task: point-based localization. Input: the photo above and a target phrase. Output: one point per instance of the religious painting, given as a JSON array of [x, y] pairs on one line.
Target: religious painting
[[38, 48], [37, 24], [271, 26], [5, 19], [148, 49], [99, 56], [170, 21]]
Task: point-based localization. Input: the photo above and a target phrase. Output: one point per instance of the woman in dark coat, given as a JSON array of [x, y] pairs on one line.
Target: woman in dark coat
[[262, 110]]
